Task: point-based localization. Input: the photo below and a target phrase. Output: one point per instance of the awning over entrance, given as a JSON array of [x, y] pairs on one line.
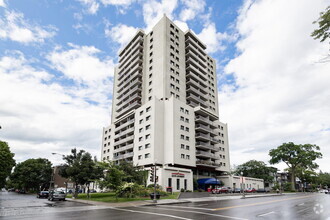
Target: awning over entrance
[[207, 182]]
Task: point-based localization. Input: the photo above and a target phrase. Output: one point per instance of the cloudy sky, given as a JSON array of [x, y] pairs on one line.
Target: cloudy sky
[[57, 60]]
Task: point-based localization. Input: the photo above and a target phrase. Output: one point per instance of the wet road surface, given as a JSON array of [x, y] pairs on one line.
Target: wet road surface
[[294, 206]]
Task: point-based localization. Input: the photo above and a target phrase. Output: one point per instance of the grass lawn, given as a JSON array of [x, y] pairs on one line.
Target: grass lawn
[[110, 197]]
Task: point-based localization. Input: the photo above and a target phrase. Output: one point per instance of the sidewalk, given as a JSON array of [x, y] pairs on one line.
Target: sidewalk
[[168, 201]]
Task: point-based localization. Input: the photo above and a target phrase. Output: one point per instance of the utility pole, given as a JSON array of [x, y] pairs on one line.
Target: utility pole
[[243, 187]]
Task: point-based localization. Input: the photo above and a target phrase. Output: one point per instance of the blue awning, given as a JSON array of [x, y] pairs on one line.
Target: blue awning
[[209, 181]]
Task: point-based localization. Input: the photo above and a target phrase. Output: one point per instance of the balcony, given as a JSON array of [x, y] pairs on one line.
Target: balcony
[[190, 38], [125, 76], [127, 131], [124, 140], [130, 107], [193, 79], [129, 92], [123, 156], [135, 51], [195, 98], [124, 52], [125, 102], [206, 163], [196, 62], [190, 48], [193, 67], [199, 127], [124, 148], [130, 84], [206, 146], [124, 124]]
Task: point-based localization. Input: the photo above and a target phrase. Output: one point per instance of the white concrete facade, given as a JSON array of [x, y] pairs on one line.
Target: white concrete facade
[[165, 108], [242, 182]]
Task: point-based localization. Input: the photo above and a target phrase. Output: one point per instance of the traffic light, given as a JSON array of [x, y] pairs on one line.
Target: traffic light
[[156, 179], [152, 172]]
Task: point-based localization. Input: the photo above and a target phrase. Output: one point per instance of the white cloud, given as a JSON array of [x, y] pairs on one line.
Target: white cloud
[[182, 25], [39, 116], [13, 26], [118, 2], [153, 11], [81, 63], [92, 6], [281, 92], [3, 3], [191, 9], [121, 33]]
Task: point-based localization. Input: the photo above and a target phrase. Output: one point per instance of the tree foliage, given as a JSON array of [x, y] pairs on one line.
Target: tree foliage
[[80, 168], [296, 157], [32, 174], [7, 162], [323, 32], [324, 179], [256, 169]]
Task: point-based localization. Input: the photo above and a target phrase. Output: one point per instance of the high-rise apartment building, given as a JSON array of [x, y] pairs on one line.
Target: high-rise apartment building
[[165, 108]]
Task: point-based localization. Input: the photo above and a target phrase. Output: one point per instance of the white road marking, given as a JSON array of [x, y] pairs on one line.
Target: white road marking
[[151, 213], [302, 210], [202, 213], [301, 204], [185, 207], [268, 213]]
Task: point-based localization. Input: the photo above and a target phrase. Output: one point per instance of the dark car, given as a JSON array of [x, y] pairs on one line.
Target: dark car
[[57, 195], [43, 194], [22, 191]]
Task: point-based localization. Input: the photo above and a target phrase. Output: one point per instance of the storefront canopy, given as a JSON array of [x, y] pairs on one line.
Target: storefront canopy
[[208, 181]]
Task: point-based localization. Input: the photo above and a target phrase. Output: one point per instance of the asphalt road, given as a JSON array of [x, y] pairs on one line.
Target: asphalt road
[[295, 206]]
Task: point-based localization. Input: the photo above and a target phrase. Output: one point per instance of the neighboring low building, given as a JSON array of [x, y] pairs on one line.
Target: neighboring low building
[[57, 181], [236, 182]]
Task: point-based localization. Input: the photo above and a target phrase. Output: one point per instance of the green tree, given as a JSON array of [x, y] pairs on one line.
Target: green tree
[[323, 179], [32, 174], [7, 162], [80, 168], [296, 157], [133, 173], [113, 178], [323, 32], [256, 169]]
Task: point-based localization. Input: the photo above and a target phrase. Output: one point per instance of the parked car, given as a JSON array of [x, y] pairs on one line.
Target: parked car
[[262, 190], [250, 190], [326, 191], [59, 195], [220, 190], [43, 194], [237, 190], [22, 191]]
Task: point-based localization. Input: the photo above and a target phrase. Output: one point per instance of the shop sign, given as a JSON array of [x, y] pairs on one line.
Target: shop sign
[[178, 175]]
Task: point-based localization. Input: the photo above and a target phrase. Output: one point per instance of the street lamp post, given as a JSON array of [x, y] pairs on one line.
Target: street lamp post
[[243, 187]]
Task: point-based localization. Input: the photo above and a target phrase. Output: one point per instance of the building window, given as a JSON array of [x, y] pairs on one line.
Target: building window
[[182, 127], [182, 137], [140, 130], [181, 118], [151, 40], [187, 120], [147, 155], [182, 146], [150, 83], [148, 109], [178, 184], [182, 156], [188, 157], [181, 109], [148, 118], [169, 182], [141, 121], [151, 46], [139, 157], [187, 129], [141, 112], [147, 136], [150, 54], [187, 147], [147, 127], [140, 138], [150, 75], [140, 147], [149, 98], [185, 184], [147, 146], [187, 138]]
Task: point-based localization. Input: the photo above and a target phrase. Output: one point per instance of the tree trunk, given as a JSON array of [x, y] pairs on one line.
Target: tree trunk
[[76, 191], [293, 179], [88, 190]]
